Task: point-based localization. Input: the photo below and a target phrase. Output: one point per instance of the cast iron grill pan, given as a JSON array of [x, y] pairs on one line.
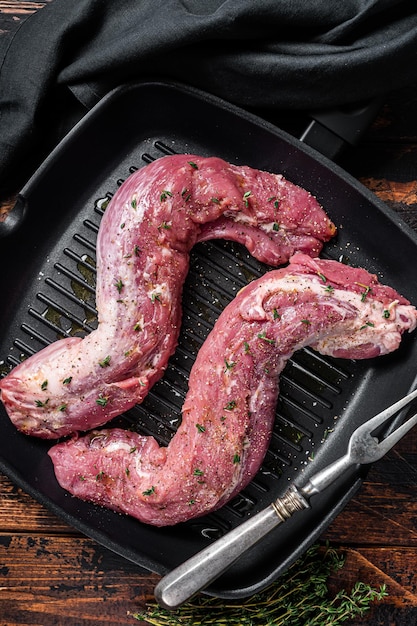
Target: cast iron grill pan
[[48, 292]]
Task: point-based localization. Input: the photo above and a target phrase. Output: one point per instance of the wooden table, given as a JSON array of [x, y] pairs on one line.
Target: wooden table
[[50, 574]]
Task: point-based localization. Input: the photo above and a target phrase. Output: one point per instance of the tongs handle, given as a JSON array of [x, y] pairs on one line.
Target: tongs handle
[[204, 567]]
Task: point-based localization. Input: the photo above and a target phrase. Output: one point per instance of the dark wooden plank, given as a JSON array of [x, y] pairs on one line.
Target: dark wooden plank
[[51, 580], [378, 566], [20, 513], [18, 7], [12, 14], [48, 579]]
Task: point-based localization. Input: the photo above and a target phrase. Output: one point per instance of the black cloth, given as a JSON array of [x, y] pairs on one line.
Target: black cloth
[[263, 54]]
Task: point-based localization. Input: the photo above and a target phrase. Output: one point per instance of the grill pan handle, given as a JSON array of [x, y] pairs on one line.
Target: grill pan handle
[[330, 132]]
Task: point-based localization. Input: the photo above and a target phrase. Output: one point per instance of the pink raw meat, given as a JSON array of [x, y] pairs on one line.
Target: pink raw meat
[[143, 247], [229, 409]]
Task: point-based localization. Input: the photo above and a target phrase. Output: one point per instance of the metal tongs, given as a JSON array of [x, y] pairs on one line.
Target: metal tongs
[[365, 446]]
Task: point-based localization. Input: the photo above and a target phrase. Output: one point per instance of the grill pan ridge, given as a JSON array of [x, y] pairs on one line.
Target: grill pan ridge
[[55, 287]]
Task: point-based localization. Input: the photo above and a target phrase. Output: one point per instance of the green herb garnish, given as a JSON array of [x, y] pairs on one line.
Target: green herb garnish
[[367, 325], [41, 404], [102, 400], [165, 194], [246, 197], [186, 194], [265, 338], [366, 291], [299, 597]]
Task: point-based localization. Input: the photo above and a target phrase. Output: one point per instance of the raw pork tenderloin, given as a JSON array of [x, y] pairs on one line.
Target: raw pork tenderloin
[[229, 410], [143, 247]]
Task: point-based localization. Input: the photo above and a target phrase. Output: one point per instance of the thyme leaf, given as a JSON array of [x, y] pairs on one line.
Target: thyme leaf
[[165, 194], [41, 404], [229, 364], [246, 197], [119, 285], [265, 338]]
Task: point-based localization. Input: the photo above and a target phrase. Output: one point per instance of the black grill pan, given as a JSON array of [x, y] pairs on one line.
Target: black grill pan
[[47, 286]]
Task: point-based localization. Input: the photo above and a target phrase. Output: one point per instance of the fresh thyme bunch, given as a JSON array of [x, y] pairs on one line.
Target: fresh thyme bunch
[[299, 598]]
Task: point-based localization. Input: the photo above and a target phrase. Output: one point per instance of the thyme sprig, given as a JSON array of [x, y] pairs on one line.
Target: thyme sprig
[[301, 596]]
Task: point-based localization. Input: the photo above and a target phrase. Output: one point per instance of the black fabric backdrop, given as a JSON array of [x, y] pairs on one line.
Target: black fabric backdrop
[[264, 54]]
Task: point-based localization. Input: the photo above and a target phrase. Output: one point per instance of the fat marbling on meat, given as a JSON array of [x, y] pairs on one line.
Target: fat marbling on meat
[[229, 410], [143, 247]]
